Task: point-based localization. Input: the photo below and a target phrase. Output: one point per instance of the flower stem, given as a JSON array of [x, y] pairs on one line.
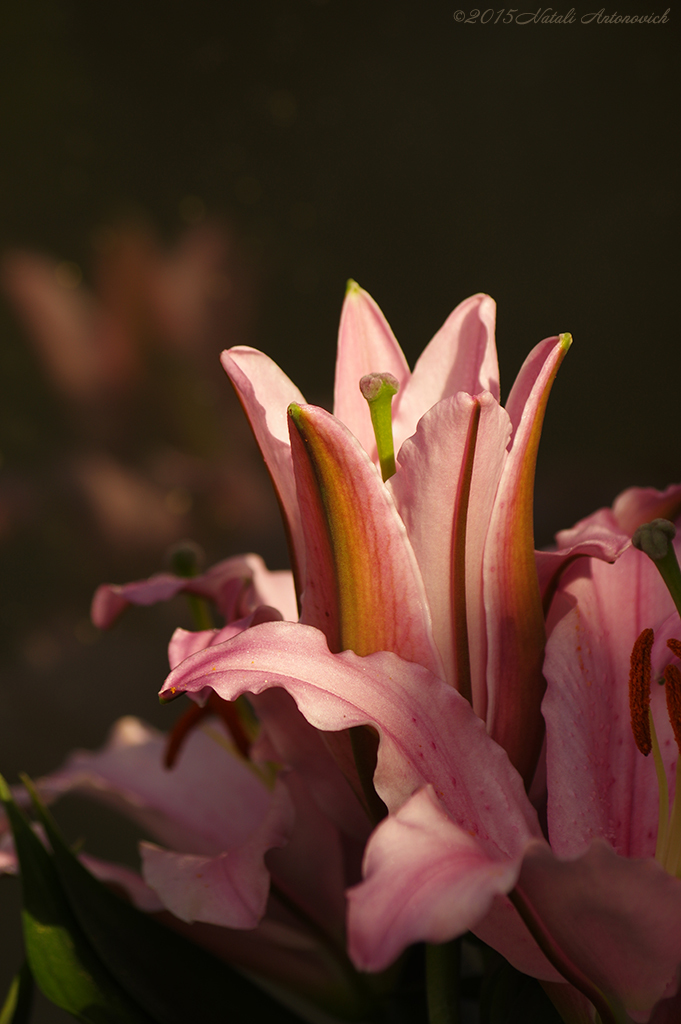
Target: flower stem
[[443, 968]]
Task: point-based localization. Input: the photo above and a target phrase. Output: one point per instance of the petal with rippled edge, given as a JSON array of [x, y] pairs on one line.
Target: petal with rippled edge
[[185, 641], [462, 356], [597, 536], [599, 783], [229, 888], [429, 733], [515, 619], [265, 392], [366, 344], [444, 490], [617, 920], [236, 586], [285, 736], [111, 599], [638, 505], [425, 880], [363, 586]]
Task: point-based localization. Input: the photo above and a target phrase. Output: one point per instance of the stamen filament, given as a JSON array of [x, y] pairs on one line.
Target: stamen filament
[[378, 389], [672, 680], [663, 813], [671, 861]]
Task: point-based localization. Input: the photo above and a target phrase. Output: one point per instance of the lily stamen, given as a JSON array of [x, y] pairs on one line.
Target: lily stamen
[[639, 690], [227, 711], [643, 728]]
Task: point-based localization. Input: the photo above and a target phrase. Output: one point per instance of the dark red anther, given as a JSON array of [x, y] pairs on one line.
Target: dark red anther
[[225, 710], [639, 690], [672, 687], [674, 646]]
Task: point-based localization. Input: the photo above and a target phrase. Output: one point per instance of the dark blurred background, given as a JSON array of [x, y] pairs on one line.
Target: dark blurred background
[[180, 177]]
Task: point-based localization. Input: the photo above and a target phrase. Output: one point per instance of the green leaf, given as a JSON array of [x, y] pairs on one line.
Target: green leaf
[[63, 963], [172, 978], [17, 1008]]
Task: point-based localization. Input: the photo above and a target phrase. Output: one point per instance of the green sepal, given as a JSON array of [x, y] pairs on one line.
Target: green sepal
[[62, 961], [19, 1001], [174, 980]]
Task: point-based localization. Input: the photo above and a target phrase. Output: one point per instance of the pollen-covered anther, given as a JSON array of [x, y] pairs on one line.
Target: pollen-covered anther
[[672, 687], [639, 690], [674, 646]]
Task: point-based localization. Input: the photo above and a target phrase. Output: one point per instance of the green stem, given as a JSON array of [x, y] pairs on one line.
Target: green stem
[[443, 970], [185, 561], [200, 612]]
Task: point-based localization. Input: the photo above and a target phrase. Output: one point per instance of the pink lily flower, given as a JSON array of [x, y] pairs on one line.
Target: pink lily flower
[[461, 832], [439, 566], [419, 598]]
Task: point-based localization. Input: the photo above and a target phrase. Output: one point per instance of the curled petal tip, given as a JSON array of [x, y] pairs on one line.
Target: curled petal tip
[[565, 341], [351, 287]]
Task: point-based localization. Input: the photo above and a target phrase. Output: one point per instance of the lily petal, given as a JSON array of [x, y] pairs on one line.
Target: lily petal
[[236, 586], [425, 879], [296, 744], [265, 393], [210, 802], [597, 536], [617, 919], [363, 587], [444, 490], [185, 641], [429, 733], [462, 356], [366, 344], [639, 505], [229, 888], [599, 784], [515, 619]]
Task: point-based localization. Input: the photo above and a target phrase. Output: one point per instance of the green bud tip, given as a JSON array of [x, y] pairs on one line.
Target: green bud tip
[[654, 539], [565, 340], [186, 559], [351, 286]]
